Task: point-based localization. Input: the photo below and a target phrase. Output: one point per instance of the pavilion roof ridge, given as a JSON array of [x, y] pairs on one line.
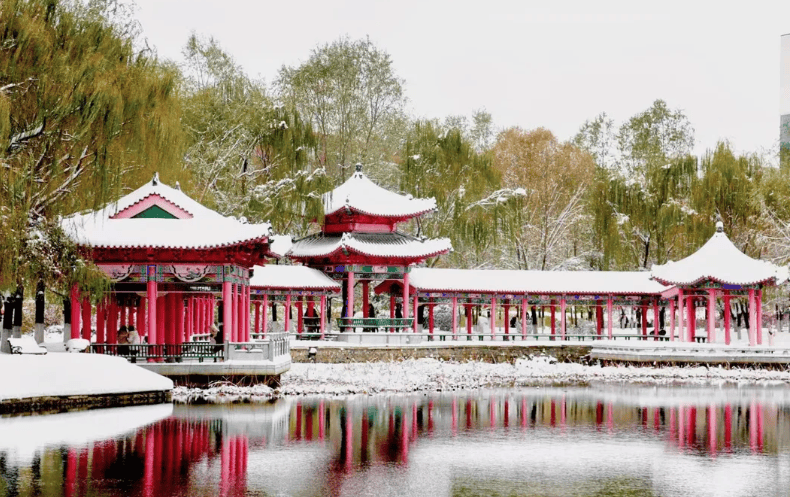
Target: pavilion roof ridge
[[205, 229], [360, 194], [718, 260]]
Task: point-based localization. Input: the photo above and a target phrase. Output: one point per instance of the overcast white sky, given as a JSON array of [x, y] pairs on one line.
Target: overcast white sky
[[549, 63]]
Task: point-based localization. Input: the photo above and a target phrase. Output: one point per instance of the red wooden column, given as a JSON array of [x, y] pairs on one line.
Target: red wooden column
[[237, 305], [365, 299], [122, 313], [609, 324], [493, 317], [178, 302], [265, 315], [247, 299], [322, 316], [759, 305], [430, 319], [406, 292], [161, 318], [132, 315], [287, 312], [350, 296], [681, 331], [598, 319], [711, 315], [468, 308], [86, 319], [392, 310], [75, 311], [727, 317], [552, 308], [455, 317], [112, 321], [299, 317], [227, 309], [524, 302], [671, 320], [141, 318], [563, 319], [414, 323], [257, 317], [692, 316], [644, 320], [752, 319], [170, 313], [655, 319], [506, 320], [192, 312], [101, 313]]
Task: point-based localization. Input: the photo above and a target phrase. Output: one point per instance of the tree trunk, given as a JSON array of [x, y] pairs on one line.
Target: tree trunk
[[38, 333], [66, 319], [8, 317], [20, 292]]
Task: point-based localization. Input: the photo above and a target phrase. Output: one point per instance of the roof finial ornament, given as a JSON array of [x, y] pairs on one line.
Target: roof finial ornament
[[358, 167], [719, 224], [155, 181], [178, 186]]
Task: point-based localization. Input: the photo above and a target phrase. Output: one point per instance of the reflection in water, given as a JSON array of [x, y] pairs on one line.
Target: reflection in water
[[585, 441]]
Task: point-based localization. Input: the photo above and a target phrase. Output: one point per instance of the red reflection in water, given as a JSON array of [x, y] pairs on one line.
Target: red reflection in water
[[160, 459]]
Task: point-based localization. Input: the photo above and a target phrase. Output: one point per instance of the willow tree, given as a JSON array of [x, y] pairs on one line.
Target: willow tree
[[546, 183], [442, 163], [246, 157], [349, 92], [82, 112], [729, 187], [641, 200]]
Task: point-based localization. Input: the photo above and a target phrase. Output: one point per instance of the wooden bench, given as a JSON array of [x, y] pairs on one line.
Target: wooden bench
[[26, 345]]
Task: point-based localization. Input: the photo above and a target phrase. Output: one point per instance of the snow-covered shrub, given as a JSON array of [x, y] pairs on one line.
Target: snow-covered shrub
[[443, 317]]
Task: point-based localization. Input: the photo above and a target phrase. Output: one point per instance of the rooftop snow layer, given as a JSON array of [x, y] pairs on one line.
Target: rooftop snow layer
[[360, 194], [370, 244], [296, 277], [205, 229], [535, 282], [717, 260]]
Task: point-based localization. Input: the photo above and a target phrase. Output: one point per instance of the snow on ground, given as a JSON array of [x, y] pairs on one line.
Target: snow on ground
[[22, 436], [434, 375], [428, 375], [27, 376]]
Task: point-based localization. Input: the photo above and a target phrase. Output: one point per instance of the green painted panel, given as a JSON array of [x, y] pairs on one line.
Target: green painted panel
[[155, 212]]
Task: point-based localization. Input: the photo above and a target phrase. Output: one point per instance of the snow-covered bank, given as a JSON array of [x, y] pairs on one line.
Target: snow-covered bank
[[427, 375], [59, 375]]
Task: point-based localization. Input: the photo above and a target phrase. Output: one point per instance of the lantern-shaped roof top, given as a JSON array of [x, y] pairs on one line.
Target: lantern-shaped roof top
[[718, 260], [159, 216], [360, 194]]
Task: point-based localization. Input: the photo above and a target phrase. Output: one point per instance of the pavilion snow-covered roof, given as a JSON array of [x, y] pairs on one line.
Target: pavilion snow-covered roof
[[292, 277], [394, 245], [505, 281], [718, 260], [362, 195], [199, 228]]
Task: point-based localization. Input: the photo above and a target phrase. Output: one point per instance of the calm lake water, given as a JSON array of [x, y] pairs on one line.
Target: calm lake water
[[608, 440]]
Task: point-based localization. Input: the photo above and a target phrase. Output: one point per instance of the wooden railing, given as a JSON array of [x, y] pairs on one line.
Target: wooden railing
[[270, 348], [383, 323], [171, 352]]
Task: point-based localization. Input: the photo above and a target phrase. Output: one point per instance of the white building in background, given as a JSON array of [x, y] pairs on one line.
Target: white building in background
[[784, 91]]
